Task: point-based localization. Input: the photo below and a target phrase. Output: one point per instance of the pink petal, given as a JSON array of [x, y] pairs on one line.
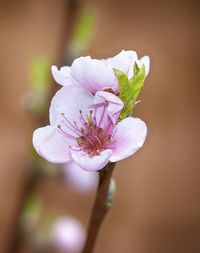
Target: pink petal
[[51, 145], [115, 105], [91, 163], [93, 74], [62, 76], [129, 137], [69, 100]]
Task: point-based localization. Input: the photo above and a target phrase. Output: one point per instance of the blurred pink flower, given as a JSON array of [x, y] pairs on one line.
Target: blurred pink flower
[[96, 75], [68, 235], [85, 128], [80, 180]]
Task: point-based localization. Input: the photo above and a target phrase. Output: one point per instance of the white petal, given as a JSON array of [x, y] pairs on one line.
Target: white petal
[[93, 74], [62, 76], [51, 145], [146, 62], [69, 100], [120, 61]]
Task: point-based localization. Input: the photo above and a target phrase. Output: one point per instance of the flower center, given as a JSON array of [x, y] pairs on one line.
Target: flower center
[[90, 136]]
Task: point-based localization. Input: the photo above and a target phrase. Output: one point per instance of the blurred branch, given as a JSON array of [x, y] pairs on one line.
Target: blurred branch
[[73, 7], [71, 11], [101, 206]]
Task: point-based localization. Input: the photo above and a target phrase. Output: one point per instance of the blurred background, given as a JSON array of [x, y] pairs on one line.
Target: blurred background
[[156, 208]]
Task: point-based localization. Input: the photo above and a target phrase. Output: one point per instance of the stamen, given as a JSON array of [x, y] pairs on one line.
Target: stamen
[[96, 137], [65, 134], [110, 123], [77, 132], [96, 106], [107, 140], [92, 138], [75, 148], [82, 118], [74, 127]]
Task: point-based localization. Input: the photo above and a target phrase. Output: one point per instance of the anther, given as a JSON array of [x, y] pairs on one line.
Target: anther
[[88, 119], [79, 141]]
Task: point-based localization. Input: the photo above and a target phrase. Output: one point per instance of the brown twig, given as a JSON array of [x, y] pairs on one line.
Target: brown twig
[[71, 8], [100, 208]]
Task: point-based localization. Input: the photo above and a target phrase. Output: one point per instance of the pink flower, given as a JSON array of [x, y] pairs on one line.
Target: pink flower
[[85, 128], [80, 180], [96, 75], [68, 235]]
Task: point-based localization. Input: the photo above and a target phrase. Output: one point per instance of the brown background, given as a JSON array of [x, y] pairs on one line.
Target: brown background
[[156, 208]]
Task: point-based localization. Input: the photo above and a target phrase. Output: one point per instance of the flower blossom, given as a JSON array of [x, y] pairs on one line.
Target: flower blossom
[[68, 234], [79, 180], [96, 75], [85, 129]]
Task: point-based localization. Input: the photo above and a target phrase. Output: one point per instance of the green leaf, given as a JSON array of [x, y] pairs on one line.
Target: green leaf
[[137, 82], [129, 89], [123, 82], [135, 68]]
